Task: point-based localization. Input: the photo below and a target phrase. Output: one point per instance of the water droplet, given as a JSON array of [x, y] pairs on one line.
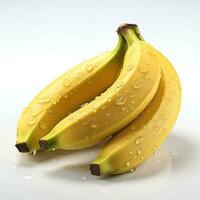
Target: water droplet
[[156, 128], [50, 111], [85, 123], [132, 102], [89, 68], [108, 114], [31, 121], [53, 149], [123, 108], [94, 125], [125, 91], [142, 157], [132, 170], [137, 85], [28, 177], [65, 96], [144, 71], [130, 68], [55, 102], [67, 83], [164, 116], [170, 100], [139, 151], [44, 100], [131, 152], [120, 101], [90, 81], [155, 148], [84, 178], [43, 125], [128, 163], [139, 140], [36, 112], [34, 152], [119, 84]]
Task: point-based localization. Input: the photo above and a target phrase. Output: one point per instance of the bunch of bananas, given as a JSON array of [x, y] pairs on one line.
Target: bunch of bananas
[[131, 93]]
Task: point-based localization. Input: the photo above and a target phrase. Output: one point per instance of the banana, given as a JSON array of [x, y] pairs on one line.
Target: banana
[[66, 94], [141, 138], [122, 102]]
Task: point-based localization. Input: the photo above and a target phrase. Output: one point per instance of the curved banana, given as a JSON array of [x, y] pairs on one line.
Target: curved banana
[[122, 102], [141, 138], [66, 94]]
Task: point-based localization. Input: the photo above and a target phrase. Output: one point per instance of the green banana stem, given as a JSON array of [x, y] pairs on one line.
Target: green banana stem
[[121, 46], [130, 32]]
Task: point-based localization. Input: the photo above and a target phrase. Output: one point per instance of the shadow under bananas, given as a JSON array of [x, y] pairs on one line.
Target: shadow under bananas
[[174, 154]]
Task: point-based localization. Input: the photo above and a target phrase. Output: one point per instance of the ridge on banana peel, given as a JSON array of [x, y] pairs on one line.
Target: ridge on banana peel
[[121, 103], [140, 139], [66, 94]]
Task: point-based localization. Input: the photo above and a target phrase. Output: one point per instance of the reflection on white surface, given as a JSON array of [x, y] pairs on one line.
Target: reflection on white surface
[[61, 171]]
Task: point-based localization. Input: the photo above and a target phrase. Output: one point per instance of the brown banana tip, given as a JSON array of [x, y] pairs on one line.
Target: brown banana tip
[[95, 169], [43, 144], [125, 26], [22, 147]]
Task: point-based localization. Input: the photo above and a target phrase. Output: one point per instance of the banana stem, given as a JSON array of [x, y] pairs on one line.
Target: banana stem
[[121, 44], [130, 32]]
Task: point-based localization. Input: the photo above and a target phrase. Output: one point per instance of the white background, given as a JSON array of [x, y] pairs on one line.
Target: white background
[[40, 39]]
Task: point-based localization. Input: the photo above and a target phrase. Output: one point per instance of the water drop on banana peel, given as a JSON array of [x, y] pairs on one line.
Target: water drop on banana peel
[[137, 85], [94, 125], [139, 151], [139, 140], [43, 125], [120, 101], [156, 128], [67, 83], [89, 68], [31, 121], [90, 81], [44, 100]]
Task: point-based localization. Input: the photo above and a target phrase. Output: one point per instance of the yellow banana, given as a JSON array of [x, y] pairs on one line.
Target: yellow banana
[[66, 94], [122, 102], [141, 138]]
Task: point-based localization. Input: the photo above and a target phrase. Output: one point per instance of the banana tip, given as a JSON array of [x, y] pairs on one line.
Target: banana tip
[[95, 169], [43, 144], [22, 147]]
